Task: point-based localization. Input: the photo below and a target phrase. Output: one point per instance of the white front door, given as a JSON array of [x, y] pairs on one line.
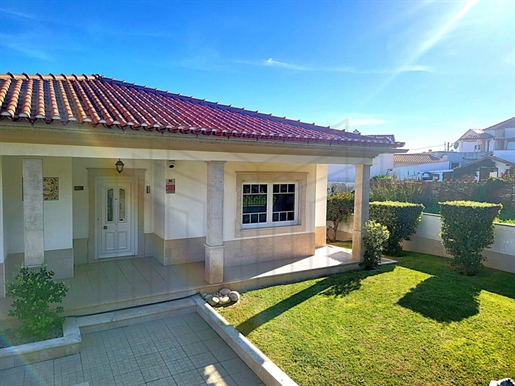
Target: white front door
[[115, 218]]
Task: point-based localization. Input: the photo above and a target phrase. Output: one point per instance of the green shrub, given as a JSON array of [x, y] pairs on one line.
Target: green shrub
[[339, 208], [404, 191], [467, 228], [401, 219], [34, 291], [374, 241]]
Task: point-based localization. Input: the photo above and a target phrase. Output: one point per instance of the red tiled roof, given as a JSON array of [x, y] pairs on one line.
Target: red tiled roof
[[416, 158], [96, 100]]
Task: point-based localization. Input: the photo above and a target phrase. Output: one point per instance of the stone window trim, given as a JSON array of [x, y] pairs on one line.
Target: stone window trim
[[300, 178]]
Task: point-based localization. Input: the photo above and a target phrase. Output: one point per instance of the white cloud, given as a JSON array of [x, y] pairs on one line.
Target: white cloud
[[414, 69], [274, 63], [25, 46]]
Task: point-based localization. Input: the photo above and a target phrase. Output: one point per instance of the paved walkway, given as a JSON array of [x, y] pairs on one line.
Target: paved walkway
[[179, 350]]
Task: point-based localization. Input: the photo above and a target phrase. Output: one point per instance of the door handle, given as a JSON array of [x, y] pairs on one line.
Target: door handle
[[105, 226]]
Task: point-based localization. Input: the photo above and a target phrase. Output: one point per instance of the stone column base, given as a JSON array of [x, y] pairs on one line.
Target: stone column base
[[214, 264]]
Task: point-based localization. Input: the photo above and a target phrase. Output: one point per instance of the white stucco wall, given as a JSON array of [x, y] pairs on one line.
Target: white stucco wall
[[2, 219], [321, 195], [347, 173], [185, 210], [57, 214], [58, 217], [508, 155], [412, 171]]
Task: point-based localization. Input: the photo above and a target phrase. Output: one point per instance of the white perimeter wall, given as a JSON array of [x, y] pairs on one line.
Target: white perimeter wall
[[57, 214], [500, 255], [412, 171]]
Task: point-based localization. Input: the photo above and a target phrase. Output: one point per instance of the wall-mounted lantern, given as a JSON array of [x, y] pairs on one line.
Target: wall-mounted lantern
[[119, 165]]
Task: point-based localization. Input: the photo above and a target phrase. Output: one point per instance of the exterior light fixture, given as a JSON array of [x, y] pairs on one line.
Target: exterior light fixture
[[119, 165]]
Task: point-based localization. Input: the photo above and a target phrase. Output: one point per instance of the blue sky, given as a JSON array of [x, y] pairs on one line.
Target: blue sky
[[425, 71]]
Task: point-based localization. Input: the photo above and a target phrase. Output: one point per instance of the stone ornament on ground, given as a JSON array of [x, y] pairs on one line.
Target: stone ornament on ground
[[224, 297]]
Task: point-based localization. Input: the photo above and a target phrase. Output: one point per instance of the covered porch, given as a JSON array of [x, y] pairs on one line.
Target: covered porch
[[122, 283]]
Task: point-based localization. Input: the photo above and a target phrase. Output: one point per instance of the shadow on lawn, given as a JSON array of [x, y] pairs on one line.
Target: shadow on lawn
[[443, 300], [338, 285], [448, 296]]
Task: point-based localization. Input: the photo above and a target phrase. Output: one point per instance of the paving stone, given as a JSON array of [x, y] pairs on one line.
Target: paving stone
[[173, 354], [189, 378], [187, 338], [132, 378], [246, 378], [202, 360], [234, 365], [180, 366], [169, 381], [180, 350], [195, 348], [154, 373]]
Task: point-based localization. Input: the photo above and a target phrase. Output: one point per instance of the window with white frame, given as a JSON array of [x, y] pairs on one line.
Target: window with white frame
[[269, 204]]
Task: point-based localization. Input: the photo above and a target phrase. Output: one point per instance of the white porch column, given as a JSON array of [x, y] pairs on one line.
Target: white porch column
[[33, 211], [361, 200], [214, 247]]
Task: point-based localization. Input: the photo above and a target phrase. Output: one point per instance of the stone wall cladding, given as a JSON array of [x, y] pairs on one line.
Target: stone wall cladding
[[260, 250]]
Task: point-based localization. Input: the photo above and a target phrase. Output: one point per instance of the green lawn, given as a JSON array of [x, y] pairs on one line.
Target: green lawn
[[416, 323]]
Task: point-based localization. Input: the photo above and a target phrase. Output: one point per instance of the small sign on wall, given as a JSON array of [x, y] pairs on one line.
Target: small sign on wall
[[170, 186]]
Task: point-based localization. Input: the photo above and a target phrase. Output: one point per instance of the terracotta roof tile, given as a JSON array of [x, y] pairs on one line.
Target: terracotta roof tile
[[97, 100], [416, 158]]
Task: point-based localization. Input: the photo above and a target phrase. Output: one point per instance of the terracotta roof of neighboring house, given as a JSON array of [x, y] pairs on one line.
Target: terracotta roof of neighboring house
[[507, 124], [478, 136], [474, 134], [417, 158], [97, 100], [489, 157]]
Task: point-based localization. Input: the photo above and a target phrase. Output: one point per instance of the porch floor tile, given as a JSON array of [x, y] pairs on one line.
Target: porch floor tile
[[127, 282]]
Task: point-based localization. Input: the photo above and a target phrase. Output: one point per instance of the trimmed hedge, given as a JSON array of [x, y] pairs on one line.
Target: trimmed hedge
[[339, 208], [467, 229], [401, 219]]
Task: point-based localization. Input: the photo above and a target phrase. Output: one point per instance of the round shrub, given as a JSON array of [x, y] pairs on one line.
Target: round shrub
[[467, 228], [374, 241], [34, 291], [401, 219]]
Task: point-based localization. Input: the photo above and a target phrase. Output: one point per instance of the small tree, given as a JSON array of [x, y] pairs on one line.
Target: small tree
[[401, 219], [374, 241], [339, 208], [34, 291], [467, 228]]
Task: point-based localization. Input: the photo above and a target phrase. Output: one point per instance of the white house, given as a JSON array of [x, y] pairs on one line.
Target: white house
[[498, 140], [201, 182]]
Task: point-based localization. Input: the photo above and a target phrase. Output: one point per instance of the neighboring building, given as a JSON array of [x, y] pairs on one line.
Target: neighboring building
[[480, 154], [497, 140], [201, 182], [481, 169], [419, 166], [381, 165]]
